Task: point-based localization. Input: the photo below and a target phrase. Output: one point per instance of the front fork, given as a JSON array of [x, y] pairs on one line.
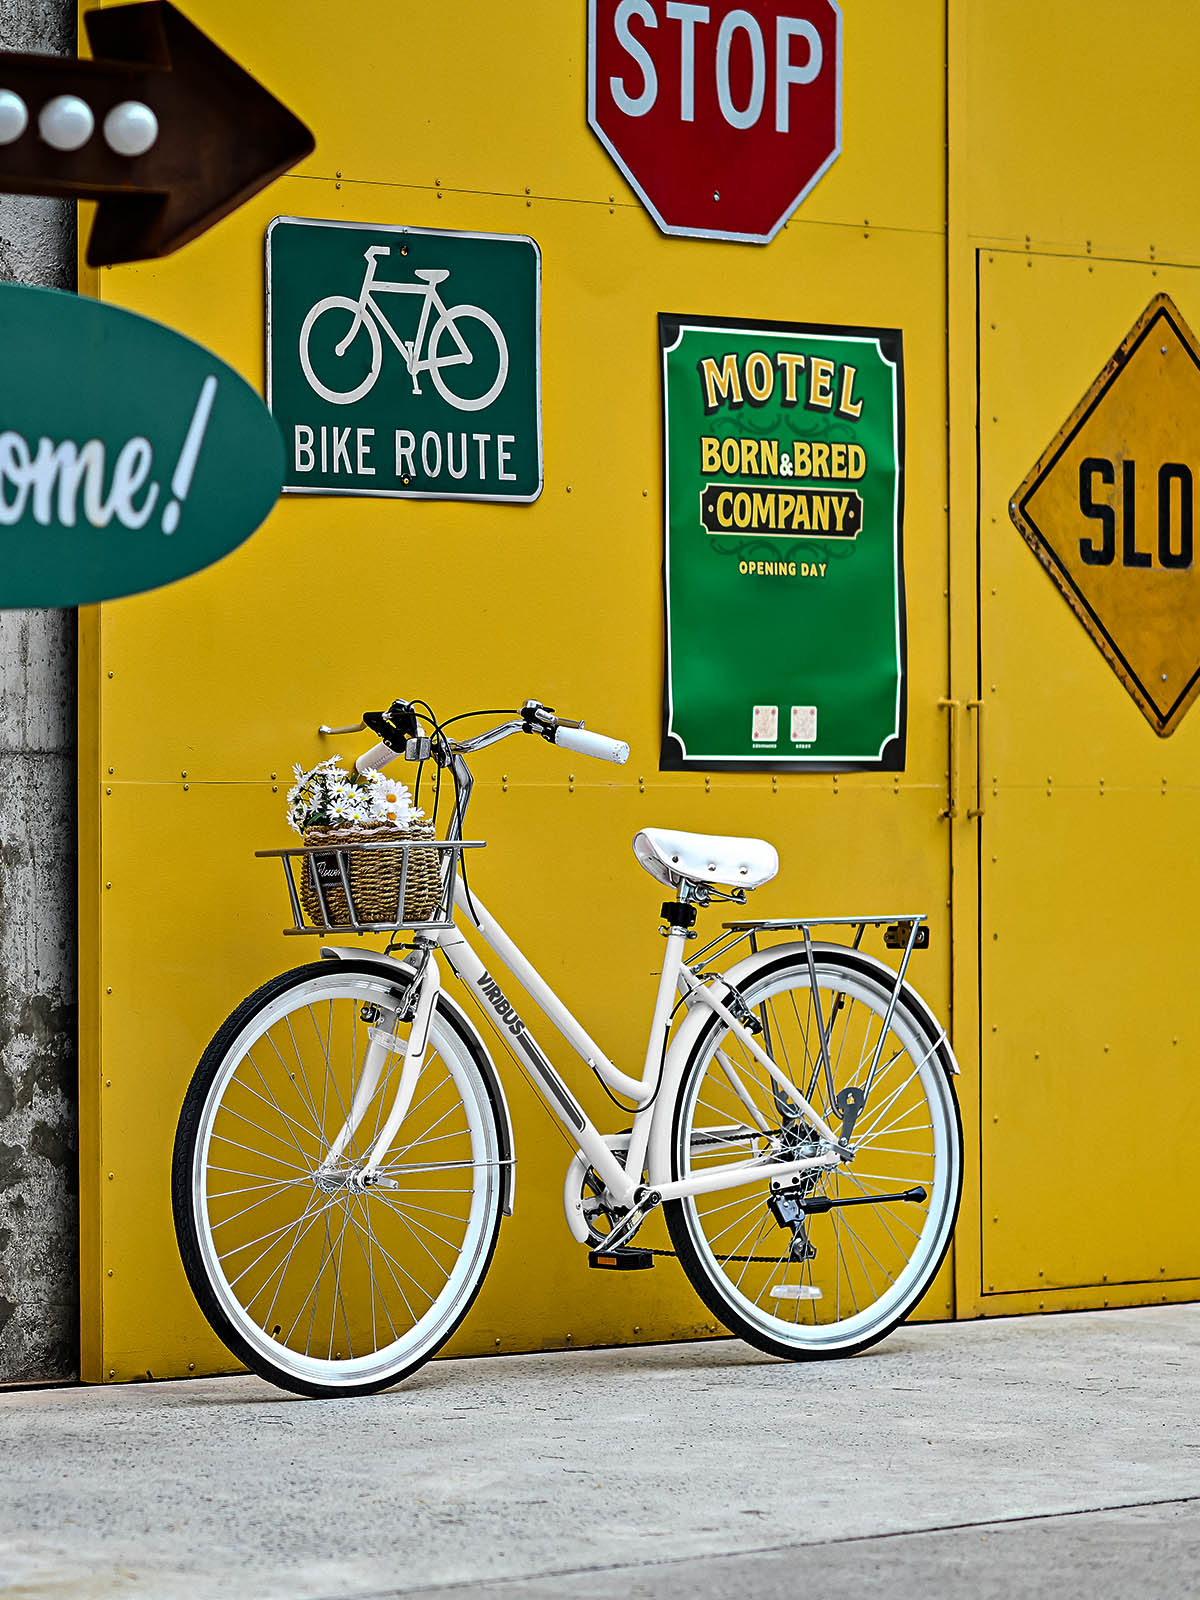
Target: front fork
[[381, 1045]]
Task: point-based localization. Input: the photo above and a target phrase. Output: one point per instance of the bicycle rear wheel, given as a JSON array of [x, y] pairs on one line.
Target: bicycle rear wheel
[[322, 1288], [832, 1282]]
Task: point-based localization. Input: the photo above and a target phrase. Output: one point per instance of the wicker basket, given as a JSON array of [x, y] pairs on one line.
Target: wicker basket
[[374, 875]]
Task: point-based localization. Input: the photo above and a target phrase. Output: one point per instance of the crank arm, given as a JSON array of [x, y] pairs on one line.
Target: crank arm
[[824, 1202], [630, 1223]]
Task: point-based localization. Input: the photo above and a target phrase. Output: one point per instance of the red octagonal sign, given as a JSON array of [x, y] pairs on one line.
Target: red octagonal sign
[[722, 117]]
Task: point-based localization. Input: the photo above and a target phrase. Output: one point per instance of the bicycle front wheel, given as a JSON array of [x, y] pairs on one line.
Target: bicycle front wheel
[[321, 1287], [835, 1279]]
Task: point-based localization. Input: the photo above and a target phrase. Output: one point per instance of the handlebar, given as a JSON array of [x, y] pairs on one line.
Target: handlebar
[[377, 756], [586, 743], [399, 726]]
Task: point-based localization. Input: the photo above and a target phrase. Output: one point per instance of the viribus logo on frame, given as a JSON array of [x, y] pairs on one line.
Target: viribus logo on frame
[[405, 361], [495, 995]]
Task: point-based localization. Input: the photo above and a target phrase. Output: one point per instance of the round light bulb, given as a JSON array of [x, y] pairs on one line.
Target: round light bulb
[[14, 117], [130, 128], [66, 122]]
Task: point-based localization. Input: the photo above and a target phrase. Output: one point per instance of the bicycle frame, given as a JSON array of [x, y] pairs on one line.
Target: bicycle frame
[[646, 1148], [623, 1178]]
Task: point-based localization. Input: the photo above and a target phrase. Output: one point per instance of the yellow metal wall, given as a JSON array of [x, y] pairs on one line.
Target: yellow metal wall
[[1009, 194], [1071, 130], [197, 699]]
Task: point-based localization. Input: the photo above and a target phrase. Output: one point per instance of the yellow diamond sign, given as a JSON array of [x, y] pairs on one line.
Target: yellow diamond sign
[[1108, 511]]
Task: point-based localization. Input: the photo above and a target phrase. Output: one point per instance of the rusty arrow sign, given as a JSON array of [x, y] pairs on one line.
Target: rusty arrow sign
[[162, 128]]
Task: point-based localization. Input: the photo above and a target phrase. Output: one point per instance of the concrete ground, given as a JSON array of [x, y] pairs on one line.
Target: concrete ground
[[1047, 1455]]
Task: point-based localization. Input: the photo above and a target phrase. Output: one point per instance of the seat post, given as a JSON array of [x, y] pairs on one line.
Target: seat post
[[679, 916]]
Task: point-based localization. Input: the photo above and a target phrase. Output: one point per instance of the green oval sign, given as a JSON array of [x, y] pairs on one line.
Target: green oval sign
[[129, 455]]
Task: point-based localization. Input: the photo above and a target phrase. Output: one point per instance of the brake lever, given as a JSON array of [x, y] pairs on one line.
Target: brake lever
[[395, 726], [544, 720]]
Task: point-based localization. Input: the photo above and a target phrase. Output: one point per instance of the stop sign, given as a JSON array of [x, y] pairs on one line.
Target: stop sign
[[722, 117]]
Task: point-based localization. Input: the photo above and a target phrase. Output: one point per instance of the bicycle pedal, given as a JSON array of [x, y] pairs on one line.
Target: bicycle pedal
[[624, 1258]]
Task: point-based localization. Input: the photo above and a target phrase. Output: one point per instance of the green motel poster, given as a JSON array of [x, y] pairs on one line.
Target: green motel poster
[[783, 449]]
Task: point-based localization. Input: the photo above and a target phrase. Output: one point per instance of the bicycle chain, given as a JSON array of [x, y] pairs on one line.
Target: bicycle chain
[[770, 1261]]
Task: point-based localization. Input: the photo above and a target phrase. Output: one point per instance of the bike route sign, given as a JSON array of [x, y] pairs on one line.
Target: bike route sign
[[405, 361], [784, 577]]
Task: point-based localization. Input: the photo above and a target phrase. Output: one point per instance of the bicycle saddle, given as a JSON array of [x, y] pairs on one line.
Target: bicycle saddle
[[671, 856]]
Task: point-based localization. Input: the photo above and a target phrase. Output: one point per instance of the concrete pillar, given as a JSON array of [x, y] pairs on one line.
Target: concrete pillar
[[39, 1249]]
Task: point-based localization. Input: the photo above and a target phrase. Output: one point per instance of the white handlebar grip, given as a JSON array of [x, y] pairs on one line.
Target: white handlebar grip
[[377, 756], [592, 744]]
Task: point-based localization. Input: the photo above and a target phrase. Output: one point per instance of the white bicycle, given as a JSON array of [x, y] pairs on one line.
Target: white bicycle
[[345, 1154], [440, 341]]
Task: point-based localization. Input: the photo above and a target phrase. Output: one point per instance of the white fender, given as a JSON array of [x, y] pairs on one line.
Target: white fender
[[658, 1155]]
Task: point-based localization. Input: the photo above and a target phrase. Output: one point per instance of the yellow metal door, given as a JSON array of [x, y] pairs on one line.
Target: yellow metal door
[[1088, 878]]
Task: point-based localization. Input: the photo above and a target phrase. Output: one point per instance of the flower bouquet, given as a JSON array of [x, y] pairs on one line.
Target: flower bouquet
[[329, 805]]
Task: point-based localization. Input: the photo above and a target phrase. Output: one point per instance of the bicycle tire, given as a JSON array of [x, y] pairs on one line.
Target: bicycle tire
[[433, 1235], [339, 397], [870, 1263]]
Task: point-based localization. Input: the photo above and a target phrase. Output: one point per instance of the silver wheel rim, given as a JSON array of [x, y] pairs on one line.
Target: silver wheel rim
[[441, 1211], [857, 1252]]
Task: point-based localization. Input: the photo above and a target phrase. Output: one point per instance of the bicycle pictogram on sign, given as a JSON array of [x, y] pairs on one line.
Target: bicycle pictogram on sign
[[430, 350]]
